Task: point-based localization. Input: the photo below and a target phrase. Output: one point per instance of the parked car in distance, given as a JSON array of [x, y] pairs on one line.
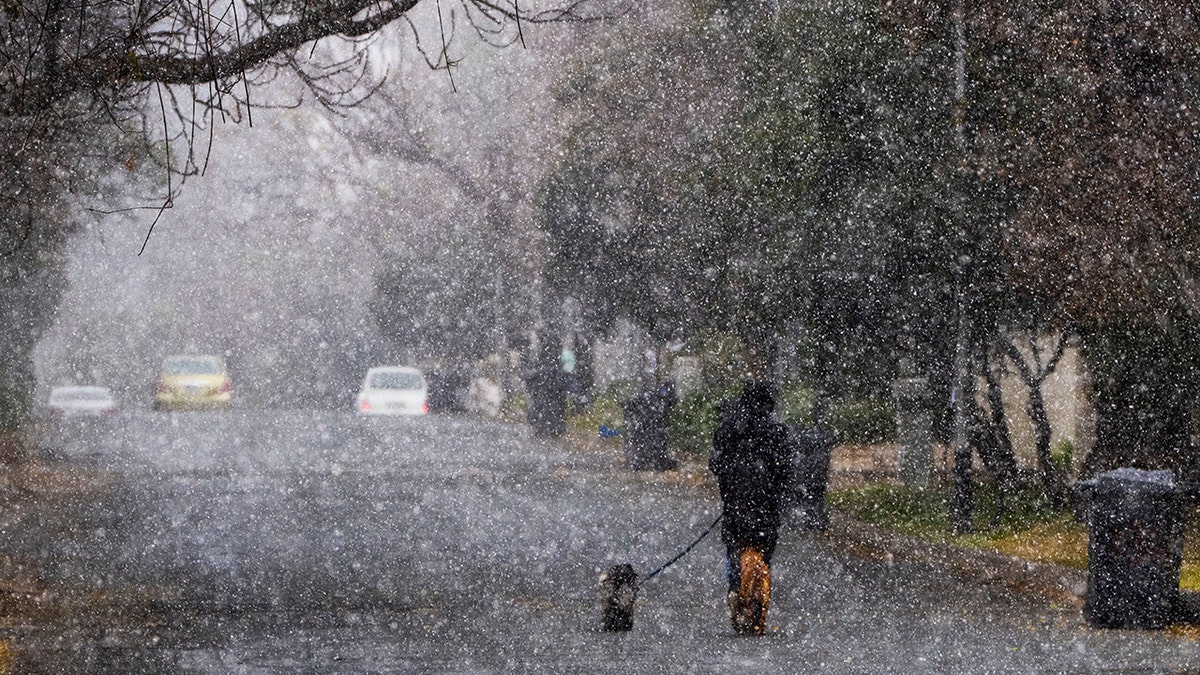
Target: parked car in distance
[[393, 390], [70, 401], [193, 382]]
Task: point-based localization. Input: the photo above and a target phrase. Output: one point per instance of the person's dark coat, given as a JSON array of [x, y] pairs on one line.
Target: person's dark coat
[[752, 461]]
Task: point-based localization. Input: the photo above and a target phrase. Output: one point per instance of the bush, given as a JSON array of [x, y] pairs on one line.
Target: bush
[[1062, 456], [796, 406], [514, 407], [603, 409], [694, 420], [859, 421]]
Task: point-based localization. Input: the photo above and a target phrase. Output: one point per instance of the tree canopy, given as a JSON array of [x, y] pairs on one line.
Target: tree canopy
[[852, 202]]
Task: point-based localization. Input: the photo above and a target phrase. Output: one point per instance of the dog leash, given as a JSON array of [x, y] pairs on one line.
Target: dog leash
[[685, 551]]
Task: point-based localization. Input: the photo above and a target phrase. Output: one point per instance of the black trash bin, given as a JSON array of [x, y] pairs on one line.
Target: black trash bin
[[547, 402], [647, 431], [812, 449], [1135, 546]]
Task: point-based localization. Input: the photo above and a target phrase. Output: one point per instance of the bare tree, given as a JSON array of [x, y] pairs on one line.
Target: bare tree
[[70, 65], [90, 86], [488, 279]]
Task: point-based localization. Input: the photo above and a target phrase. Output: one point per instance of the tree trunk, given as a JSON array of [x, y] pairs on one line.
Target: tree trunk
[[963, 506], [995, 445], [1053, 482], [964, 498]]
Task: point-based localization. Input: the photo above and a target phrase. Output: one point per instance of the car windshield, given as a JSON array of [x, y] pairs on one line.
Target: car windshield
[[192, 367], [396, 380]]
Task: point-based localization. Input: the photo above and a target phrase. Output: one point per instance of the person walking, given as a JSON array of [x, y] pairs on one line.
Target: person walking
[[751, 459]]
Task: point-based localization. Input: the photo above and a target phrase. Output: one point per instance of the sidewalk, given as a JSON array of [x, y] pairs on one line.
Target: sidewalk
[[852, 466], [858, 465]]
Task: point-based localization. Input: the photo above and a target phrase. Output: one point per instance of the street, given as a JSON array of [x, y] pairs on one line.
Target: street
[[258, 541]]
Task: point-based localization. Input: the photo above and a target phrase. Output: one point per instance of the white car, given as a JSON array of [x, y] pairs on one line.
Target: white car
[[80, 400], [393, 390]]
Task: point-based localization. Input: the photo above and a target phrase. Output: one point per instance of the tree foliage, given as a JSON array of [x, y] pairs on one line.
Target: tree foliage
[[1093, 121], [625, 210], [850, 200], [434, 308], [795, 196]]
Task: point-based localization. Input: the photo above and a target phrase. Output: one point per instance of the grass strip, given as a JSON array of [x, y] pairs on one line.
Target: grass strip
[[1025, 528]]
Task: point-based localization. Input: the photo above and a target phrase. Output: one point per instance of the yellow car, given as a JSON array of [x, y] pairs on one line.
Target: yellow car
[[193, 382]]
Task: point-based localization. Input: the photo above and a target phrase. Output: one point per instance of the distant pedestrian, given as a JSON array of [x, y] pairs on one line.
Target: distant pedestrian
[[751, 458]]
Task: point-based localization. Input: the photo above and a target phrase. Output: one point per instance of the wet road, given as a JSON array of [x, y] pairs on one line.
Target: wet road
[[318, 542]]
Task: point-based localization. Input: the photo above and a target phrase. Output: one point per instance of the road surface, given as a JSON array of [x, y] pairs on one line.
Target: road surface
[[260, 541]]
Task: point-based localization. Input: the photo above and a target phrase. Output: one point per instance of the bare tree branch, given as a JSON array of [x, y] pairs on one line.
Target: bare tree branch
[[92, 69]]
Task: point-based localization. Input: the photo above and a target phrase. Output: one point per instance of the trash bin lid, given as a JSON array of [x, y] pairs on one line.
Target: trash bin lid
[[1135, 480]]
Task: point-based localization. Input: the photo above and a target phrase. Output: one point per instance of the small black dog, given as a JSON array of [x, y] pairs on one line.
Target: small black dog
[[618, 591]]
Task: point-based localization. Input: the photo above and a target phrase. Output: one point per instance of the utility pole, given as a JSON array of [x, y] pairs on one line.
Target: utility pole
[[963, 504]]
